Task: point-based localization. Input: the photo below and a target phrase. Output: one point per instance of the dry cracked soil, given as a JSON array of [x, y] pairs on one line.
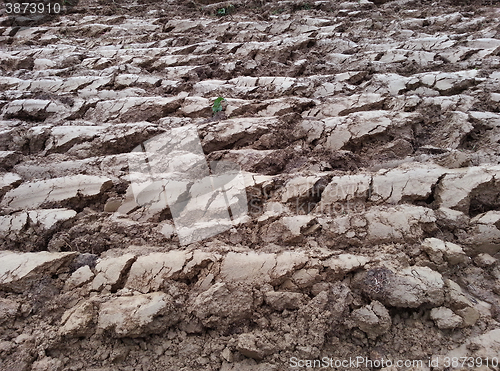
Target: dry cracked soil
[[366, 225]]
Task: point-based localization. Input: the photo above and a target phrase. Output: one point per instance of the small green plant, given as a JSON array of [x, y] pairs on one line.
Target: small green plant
[[217, 106], [226, 10]]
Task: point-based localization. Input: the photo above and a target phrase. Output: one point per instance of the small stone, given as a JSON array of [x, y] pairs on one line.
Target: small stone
[[456, 297], [373, 319], [444, 318], [484, 260], [469, 315], [227, 355], [439, 251]]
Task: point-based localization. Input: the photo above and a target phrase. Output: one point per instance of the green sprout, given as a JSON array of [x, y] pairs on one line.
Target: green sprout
[[217, 107], [225, 10]]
